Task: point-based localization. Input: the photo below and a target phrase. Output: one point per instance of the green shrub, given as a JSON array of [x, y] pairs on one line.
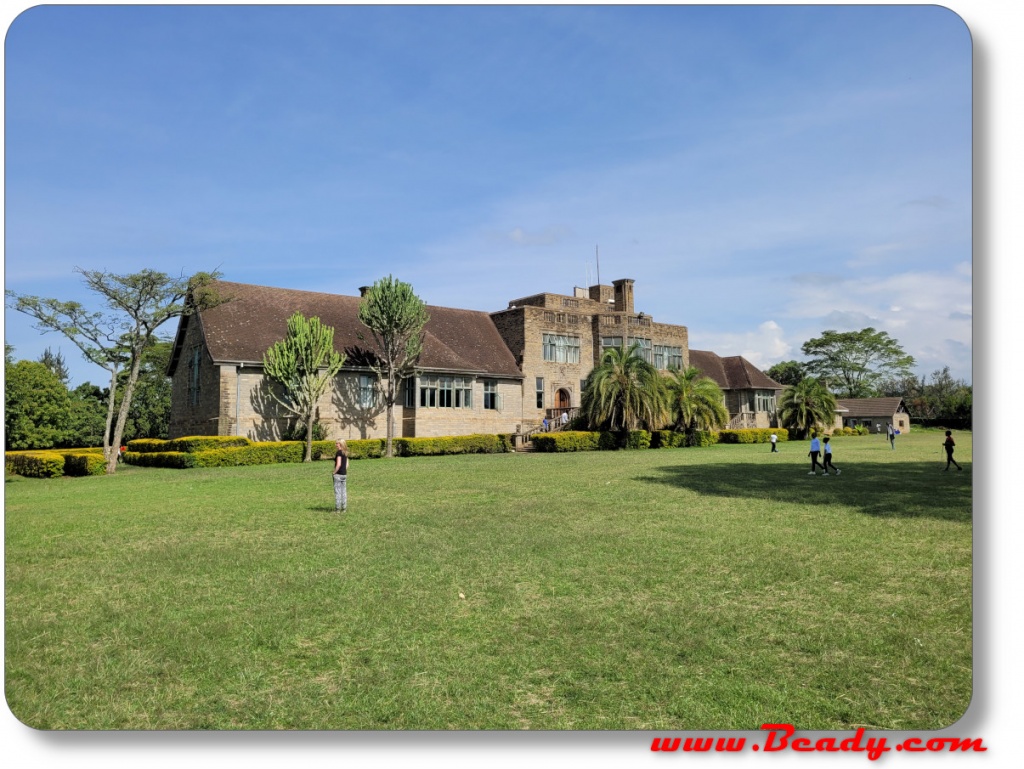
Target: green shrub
[[753, 435], [480, 443], [84, 463], [35, 464], [189, 444], [704, 438], [638, 439], [262, 453], [177, 460], [566, 440]]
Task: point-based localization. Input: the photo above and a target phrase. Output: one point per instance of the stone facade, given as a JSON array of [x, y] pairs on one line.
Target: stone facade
[[502, 372], [576, 326]]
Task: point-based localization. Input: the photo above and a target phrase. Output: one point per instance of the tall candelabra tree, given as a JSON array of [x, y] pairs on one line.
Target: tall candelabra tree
[[303, 363]]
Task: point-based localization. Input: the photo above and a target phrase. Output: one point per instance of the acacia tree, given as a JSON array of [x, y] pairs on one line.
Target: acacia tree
[[787, 372], [137, 305], [303, 363], [696, 402], [806, 405], [395, 317], [853, 362], [624, 392]]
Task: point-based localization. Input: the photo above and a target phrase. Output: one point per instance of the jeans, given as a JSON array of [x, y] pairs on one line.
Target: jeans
[[340, 493]]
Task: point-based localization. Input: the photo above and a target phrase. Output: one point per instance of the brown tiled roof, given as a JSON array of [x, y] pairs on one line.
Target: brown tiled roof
[[870, 407], [256, 317], [733, 372]]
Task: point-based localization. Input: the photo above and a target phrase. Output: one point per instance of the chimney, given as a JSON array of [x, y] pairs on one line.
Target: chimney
[[623, 295], [363, 290]]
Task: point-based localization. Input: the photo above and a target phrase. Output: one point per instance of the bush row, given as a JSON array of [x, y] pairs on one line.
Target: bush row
[[234, 451], [573, 440], [55, 463], [753, 435], [188, 444]]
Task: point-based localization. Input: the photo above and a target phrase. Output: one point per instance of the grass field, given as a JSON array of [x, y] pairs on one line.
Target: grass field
[[716, 588]]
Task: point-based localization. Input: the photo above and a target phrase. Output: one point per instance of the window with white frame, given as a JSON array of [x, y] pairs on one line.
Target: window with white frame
[[644, 349], [764, 400], [540, 392], [561, 348], [674, 357], [446, 392], [410, 393]]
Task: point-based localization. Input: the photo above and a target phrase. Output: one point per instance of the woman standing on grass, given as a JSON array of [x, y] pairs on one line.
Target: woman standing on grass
[[828, 458], [340, 476]]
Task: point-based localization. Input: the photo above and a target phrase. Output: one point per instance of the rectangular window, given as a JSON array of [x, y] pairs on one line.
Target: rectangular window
[[193, 375], [674, 357], [410, 393], [645, 347], [444, 392], [659, 357], [765, 401], [490, 394], [540, 392], [610, 341], [561, 349], [365, 391], [428, 391], [463, 393]]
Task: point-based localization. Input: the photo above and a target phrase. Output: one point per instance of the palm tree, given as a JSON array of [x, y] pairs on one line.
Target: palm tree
[[807, 405], [696, 402], [624, 392]]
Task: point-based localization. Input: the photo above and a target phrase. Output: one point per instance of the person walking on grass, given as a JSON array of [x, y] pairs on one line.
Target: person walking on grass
[[340, 477], [775, 443], [948, 445], [814, 453], [891, 434], [828, 458]]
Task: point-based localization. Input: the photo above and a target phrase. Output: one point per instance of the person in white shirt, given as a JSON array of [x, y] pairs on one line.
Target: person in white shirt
[[814, 453], [828, 459], [775, 440]]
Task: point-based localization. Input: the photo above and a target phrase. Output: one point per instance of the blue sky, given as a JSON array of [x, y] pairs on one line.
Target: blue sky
[[762, 173]]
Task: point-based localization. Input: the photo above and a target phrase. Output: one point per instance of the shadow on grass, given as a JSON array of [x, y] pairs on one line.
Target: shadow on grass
[[903, 490]]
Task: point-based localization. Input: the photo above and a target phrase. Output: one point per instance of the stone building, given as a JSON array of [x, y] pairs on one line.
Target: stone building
[[873, 413], [501, 372]]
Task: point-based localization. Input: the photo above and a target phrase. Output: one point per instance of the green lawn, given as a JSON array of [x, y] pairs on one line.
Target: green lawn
[[716, 588]]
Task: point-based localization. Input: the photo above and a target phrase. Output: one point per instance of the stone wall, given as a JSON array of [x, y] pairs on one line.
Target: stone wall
[[188, 417]]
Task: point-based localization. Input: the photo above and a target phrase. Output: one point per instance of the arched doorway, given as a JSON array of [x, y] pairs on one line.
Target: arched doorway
[[563, 400]]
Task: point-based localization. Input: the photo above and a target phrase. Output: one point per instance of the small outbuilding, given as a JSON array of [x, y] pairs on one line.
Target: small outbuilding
[[873, 413]]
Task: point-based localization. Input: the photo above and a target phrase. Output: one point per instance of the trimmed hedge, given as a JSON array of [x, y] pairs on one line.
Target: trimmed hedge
[[189, 444], [567, 440], [35, 464], [480, 443], [368, 448], [753, 435], [53, 463]]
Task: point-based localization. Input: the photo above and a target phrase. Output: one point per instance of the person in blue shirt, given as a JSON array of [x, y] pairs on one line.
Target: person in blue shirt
[[814, 453]]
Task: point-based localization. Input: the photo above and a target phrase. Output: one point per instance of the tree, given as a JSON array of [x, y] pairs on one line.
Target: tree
[[807, 405], [787, 372], [303, 363], [852, 362], [696, 402], [35, 406], [86, 416], [395, 317], [150, 412], [55, 362], [624, 392], [137, 305]]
